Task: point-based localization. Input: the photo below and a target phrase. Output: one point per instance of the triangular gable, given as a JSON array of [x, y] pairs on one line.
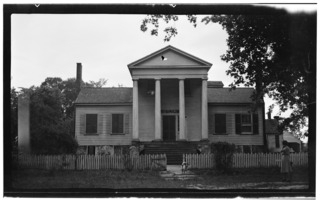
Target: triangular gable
[[169, 56]]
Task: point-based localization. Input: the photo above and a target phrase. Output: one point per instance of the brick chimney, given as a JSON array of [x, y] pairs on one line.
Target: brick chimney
[[79, 74]]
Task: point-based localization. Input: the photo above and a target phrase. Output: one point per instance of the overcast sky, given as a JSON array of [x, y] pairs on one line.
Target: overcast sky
[[50, 45]]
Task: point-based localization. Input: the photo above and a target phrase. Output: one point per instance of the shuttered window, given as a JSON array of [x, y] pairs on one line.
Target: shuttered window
[[117, 124], [247, 124], [220, 123], [91, 123]]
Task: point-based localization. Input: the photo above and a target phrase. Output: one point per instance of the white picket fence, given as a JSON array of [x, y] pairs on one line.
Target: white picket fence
[[92, 162], [241, 160]]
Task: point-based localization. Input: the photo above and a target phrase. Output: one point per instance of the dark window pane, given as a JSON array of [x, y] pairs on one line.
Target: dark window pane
[[246, 129], [91, 150], [91, 123], [117, 123], [246, 119], [220, 124]]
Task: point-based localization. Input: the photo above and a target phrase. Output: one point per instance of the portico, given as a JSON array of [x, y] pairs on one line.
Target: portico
[[159, 81]]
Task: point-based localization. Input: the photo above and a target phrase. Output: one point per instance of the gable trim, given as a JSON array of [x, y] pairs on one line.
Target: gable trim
[[169, 47]]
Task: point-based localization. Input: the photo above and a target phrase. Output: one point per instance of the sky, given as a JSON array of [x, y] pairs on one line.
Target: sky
[[50, 45]]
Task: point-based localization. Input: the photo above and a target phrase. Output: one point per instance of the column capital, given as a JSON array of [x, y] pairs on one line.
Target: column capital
[[182, 78], [135, 79], [205, 78], [157, 78]]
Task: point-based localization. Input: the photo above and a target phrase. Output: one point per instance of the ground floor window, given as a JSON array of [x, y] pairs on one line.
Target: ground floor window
[[91, 150], [117, 124], [91, 123], [247, 124]]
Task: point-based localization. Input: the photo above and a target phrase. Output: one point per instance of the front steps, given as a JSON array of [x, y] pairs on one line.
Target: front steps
[[173, 150]]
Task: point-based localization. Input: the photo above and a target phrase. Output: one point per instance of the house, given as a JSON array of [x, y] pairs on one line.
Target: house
[[172, 108], [294, 142], [273, 135]]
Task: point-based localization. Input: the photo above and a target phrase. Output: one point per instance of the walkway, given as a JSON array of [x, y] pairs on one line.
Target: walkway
[[174, 172]]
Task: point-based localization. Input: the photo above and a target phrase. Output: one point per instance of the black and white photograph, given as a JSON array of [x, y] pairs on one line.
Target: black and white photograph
[[160, 100]]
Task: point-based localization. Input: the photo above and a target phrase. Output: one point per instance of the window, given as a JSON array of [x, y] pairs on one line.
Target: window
[[117, 124], [277, 140], [220, 123], [91, 150], [91, 123], [247, 124]]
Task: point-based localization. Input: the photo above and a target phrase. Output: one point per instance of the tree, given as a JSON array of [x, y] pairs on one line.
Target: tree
[[51, 119], [14, 119], [274, 53]]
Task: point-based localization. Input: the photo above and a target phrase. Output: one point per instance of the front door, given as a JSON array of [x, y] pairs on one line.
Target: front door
[[169, 127]]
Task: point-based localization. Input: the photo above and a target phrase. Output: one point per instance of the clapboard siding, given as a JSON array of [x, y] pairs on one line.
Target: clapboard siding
[[231, 135], [104, 136]]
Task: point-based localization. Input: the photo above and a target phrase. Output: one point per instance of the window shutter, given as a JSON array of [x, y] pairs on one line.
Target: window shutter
[[220, 126], [255, 124], [126, 123], [238, 123], [100, 125], [109, 123], [211, 123], [82, 123], [229, 123]]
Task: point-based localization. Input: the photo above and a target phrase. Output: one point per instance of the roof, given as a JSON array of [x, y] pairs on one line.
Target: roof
[[215, 84], [225, 95], [121, 95], [289, 137], [272, 126], [166, 49], [110, 95]]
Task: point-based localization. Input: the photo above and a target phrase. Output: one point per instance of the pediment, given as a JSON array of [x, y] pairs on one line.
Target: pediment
[[169, 57]]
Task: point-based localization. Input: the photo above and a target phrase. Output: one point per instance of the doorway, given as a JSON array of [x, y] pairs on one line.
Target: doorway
[[169, 128]]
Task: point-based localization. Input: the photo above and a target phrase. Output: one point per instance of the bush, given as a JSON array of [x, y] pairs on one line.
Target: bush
[[223, 154]]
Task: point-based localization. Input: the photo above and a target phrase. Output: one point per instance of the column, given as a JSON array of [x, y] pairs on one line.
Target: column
[[135, 112], [182, 114], [204, 110], [157, 111]]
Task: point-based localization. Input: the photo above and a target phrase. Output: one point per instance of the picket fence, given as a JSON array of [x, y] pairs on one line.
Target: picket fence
[[242, 160], [91, 162]]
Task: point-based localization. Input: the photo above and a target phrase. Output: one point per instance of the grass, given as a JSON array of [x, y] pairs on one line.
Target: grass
[[43, 179]]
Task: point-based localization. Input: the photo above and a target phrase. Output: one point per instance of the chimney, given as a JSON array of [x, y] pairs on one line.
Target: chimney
[[269, 115], [79, 74]]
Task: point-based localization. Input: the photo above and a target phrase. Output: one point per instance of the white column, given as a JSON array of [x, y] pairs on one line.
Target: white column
[[182, 114], [135, 112], [157, 111], [204, 110]]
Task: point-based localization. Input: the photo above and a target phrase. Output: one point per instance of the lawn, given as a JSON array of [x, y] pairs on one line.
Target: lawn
[[207, 179]]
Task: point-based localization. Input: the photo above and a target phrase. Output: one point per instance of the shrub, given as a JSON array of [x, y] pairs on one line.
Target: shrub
[[223, 154]]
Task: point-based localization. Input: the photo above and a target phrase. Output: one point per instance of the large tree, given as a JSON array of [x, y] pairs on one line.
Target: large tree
[[274, 53], [51, 114]]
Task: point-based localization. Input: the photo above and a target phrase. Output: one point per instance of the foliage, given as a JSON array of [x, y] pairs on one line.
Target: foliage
[[276, 53], [223, 154], [51, 114], [14, 119]]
